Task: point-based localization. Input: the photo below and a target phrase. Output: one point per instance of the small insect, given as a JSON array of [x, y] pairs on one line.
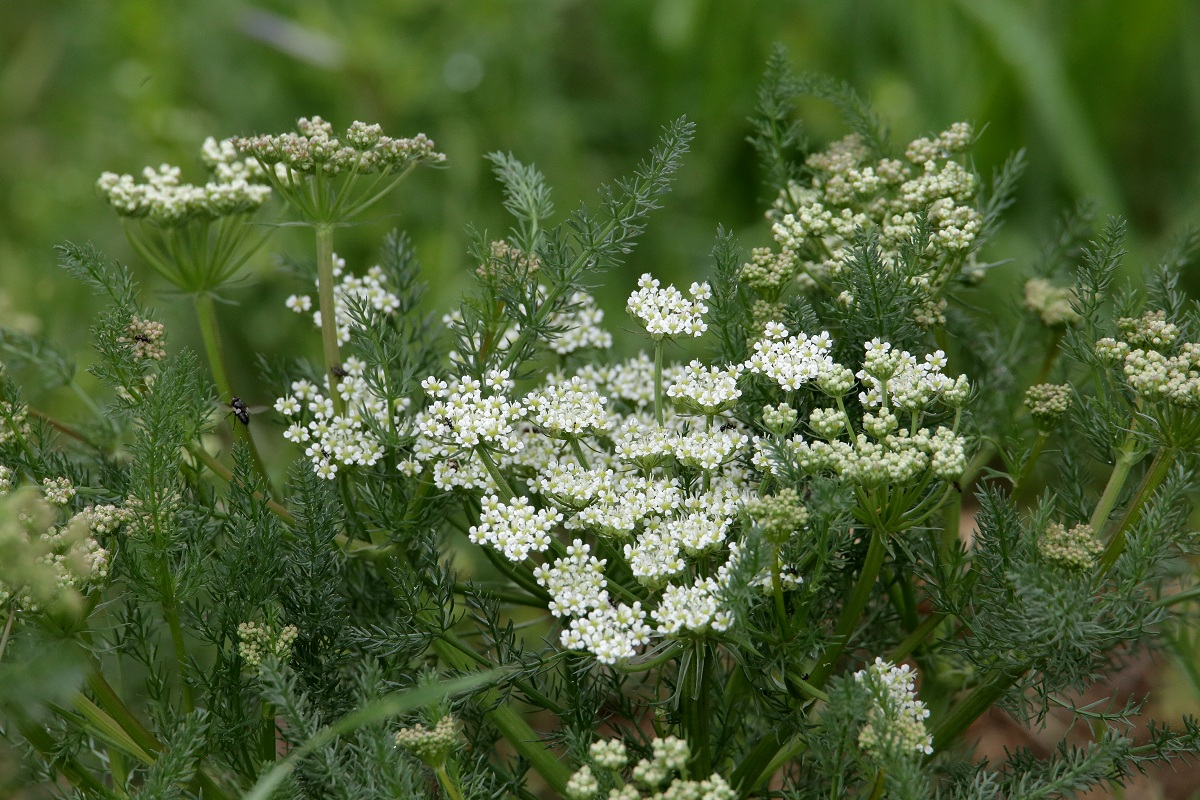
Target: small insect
[[338, 371], [238, 408], [143, 338]]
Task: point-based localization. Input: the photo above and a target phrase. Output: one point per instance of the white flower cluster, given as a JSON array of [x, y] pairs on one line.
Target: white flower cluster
[[164, 200], [582, 454], [1156, 364], [815, 224], [706, 390], [658, 775], [665, 313], [145, 338], [894, 382], [333, 439], [369, 291], [516, 529], [579, 328], [6, 480], [44, 564], [257, 641], [363, 149], [896, 723]]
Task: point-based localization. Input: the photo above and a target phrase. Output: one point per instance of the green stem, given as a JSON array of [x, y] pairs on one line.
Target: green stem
[[1019, 483], [1128, 456], [514, 728], [505, 490], [206, 313], [658, 367], [914, 639], [329, 335], [221, 471], [1157, 472], [172, 616], [210, 331], [973, 705], [853, 609], [696, 711], [450, 787]]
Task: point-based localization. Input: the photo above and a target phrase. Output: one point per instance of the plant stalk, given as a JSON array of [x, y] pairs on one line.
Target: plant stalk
[[1160, 465], [329, 333], [853, 609]]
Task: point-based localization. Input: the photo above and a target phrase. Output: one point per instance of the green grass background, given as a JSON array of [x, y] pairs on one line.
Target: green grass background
[[1104, 94]]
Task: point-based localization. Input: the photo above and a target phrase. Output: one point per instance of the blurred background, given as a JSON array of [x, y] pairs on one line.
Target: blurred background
[[1104, 94]]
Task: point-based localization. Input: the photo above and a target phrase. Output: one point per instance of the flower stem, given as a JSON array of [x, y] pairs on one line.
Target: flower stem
[[973, 705], [853, 609], [206, 314], [658, 366], [1157, 472], [329, 333], [1128, 456], [448, 784]]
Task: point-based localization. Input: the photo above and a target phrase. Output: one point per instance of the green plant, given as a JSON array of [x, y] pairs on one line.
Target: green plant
[[536, 569]]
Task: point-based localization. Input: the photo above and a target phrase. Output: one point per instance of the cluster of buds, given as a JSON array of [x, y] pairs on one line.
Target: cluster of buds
[[816, 224], [429, 745], [1157, 366], [165, 201], [13, 421], [1047, 402], [314, 148], [59, 491], [145, 339], [1075, 549], [1054, 305], [256, 642]]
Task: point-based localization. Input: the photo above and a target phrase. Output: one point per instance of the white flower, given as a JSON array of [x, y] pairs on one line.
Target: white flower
[[666, 312]]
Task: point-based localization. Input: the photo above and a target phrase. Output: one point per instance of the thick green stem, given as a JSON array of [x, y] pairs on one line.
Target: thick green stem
[[1128, 456], [697, 711], [448, 785], [1157, 472], [853, 609], [329, 333], [514, 728], [914, 639], [172, 615], [973, 705], [206, 313]]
